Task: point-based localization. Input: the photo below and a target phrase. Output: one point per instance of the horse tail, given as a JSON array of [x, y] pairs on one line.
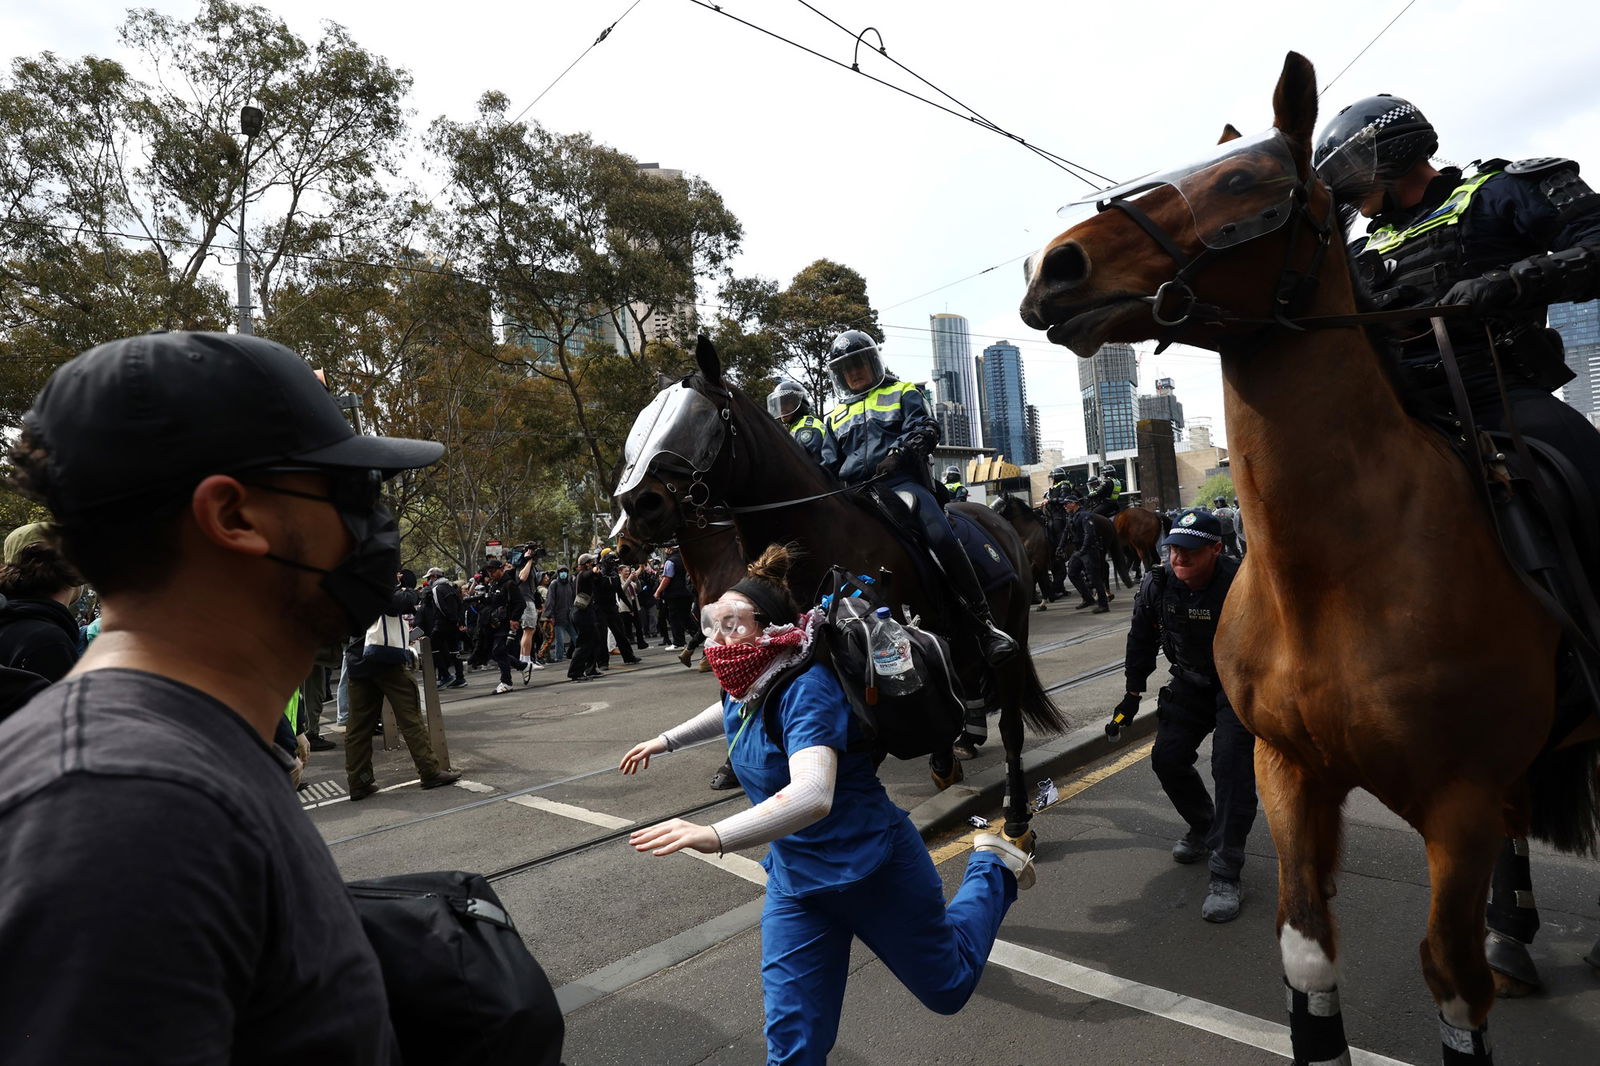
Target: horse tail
[[1038, 709], [1565, 790]]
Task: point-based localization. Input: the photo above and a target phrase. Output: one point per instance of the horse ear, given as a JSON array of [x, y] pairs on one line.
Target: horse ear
[[1294, 105], [663, 381], [705, 354], [1229, 134]]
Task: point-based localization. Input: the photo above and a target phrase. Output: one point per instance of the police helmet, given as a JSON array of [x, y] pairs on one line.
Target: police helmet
[[850, 350], [1094, 483], [1221, 501], [1059, 474], [1371, 142], [788, 401], [952, 474], [1108, 470]]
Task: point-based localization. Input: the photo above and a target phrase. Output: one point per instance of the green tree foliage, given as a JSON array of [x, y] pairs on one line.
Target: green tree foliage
[[822, 300], [120, 181], [1213, 486], [571, 236]]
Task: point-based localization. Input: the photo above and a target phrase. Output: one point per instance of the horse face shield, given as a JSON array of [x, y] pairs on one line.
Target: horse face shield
[[679, 423], [1243, 191]]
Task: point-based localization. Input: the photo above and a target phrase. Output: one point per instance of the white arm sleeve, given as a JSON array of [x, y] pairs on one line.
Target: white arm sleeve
[[703, 726], [807, 798]]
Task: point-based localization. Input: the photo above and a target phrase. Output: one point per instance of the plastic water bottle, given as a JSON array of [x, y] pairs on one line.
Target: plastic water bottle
[[896, 672]]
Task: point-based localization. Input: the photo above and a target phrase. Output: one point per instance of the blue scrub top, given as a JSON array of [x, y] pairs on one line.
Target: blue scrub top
[[856, 836]]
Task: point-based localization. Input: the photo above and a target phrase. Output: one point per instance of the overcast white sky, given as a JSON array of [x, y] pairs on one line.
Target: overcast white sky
[[818, 161]]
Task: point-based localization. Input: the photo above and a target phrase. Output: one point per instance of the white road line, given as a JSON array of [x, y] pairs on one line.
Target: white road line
[[567, 810], [1210, 1017], [737, 865]]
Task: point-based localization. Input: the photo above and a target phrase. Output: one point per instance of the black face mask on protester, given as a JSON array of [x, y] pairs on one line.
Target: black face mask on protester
[[363, 582]]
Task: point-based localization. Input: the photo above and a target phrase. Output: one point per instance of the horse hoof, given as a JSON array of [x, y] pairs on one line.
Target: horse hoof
[[951, 777], [1028, 841], [1515, 975]]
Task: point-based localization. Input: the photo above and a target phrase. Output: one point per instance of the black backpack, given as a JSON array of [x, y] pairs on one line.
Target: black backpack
[[463, 989], [908, 727]]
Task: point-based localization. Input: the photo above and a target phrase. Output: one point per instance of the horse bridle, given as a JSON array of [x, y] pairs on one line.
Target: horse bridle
[[700, 507], [1175, 305]]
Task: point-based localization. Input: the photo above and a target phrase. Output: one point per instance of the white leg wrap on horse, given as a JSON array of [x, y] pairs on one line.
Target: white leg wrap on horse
[[1462, 1045], [1305, 965]]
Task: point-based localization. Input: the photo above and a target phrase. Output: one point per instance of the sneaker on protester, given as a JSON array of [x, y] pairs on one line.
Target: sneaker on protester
[[501, 687], [1019, 862]]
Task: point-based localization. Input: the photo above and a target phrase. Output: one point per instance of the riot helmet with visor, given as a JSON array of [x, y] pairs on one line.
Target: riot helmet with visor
[[1370, 143], [788, 401], [851, 353]]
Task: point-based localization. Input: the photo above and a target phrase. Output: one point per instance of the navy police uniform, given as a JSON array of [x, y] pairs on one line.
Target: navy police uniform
[[1182, 623], [1481, 236], [1086, 558]]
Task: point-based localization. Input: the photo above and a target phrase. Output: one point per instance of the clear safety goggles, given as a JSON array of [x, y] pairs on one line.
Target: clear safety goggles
[[729, 621]]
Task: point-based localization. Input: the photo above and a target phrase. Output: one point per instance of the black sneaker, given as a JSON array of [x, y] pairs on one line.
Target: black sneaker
[[445, 777], [361, 792], [321, 743]]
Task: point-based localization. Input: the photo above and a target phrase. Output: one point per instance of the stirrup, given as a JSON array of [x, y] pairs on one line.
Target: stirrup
[[998, 646]]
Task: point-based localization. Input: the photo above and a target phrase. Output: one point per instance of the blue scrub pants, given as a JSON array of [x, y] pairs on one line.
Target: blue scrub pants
[[898, 911]]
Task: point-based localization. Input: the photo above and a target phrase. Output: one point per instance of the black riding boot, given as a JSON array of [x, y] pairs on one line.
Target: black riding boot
[[996, 644]]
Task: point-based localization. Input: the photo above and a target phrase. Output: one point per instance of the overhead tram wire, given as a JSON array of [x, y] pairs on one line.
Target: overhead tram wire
[[976, 116], [603, 35], [1076, 170], [1363, 51]]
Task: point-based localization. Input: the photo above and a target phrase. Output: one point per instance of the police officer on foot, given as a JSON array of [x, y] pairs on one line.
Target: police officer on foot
[[1228, 519], [1086, 566], [1176, 612]]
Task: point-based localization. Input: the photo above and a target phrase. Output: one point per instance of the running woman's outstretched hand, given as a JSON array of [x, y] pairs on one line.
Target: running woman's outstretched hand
[[664, 838], [638, 757]]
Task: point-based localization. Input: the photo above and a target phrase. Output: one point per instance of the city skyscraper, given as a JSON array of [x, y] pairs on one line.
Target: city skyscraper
[[952, 378], [1163, 405], [1005, 403], [1108, 383], [1579, 326], [1033, 437]]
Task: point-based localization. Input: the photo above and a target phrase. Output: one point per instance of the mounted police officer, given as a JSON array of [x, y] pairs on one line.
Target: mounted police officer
[[1176, 612], [1105, 492], [952, 484], [790, 405], [1086, 558], [882, 426], [1060, 485], [1506, 238]]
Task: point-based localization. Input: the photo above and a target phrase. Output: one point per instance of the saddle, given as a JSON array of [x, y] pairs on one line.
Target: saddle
[[1544, 516]]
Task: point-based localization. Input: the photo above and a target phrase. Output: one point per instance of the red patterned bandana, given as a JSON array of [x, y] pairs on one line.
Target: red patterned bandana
[[738, 666]]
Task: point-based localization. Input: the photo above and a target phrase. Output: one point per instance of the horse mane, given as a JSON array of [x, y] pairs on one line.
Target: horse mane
[[770, 432]]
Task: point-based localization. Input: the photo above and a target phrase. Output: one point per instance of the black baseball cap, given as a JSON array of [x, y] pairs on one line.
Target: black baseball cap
[[152, 415], [1195, 529]]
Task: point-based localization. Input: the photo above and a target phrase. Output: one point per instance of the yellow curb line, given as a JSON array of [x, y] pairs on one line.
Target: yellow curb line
[[945, 852]]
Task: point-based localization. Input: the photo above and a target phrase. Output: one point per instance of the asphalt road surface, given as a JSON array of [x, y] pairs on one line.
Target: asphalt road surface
[[1105, 960]]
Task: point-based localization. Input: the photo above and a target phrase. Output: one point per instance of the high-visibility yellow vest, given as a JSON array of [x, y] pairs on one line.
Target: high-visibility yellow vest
[[1449, 213]]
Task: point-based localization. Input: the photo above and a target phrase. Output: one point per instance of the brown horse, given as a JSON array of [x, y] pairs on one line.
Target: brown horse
[[1040, 534], [1138, 532], [704, 444], [1380, 677]]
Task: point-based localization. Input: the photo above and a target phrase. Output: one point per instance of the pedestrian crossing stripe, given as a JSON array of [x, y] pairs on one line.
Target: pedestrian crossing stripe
[[320, 790]]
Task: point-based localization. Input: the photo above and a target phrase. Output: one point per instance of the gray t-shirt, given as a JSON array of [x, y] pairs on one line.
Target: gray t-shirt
[[163, 898]]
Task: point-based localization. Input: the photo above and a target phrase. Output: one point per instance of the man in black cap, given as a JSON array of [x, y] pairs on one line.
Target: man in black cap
[[151, 843], [1176, 611]]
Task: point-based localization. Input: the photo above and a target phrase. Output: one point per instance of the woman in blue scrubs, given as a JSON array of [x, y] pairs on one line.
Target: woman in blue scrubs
[[843, 861]]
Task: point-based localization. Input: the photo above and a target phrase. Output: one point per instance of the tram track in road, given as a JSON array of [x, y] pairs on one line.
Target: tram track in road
[[605, 838]]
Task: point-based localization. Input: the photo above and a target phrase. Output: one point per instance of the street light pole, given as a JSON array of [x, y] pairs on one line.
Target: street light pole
[[249, 125]]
